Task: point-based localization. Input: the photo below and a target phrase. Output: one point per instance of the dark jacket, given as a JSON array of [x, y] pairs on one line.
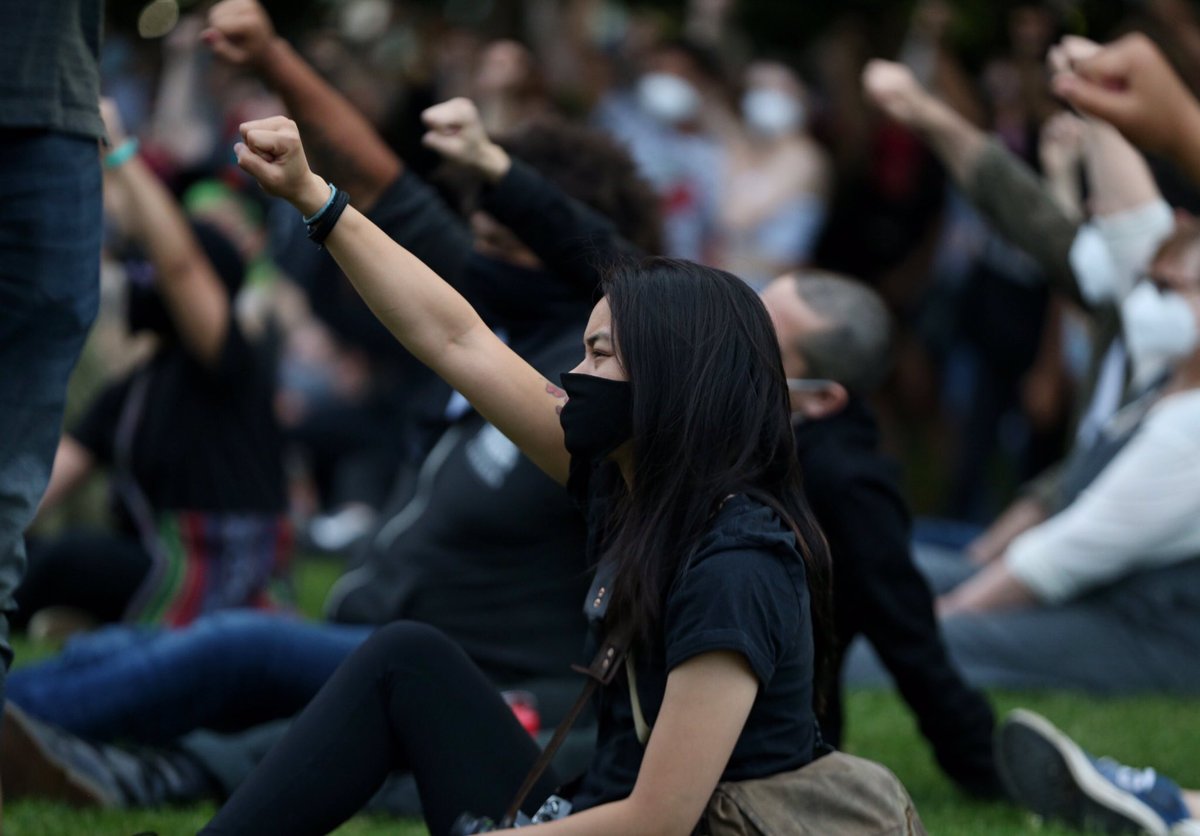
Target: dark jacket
[[879, 593]]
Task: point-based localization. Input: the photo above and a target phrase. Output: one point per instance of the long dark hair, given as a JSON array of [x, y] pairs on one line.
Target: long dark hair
[[711, 418]]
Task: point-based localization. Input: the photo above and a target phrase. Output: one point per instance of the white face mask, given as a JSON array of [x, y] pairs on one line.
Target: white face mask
[[772, 113], [668, 98], [1160, 329]]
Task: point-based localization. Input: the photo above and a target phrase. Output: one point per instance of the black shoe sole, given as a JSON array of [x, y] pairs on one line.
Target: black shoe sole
[[29, 770], [1046, 772]]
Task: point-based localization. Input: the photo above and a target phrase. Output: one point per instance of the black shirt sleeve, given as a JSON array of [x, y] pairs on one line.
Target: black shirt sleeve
[[747, 601], [571, 239]]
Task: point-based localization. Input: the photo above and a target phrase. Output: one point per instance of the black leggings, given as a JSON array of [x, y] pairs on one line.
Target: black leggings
[[408, 699]]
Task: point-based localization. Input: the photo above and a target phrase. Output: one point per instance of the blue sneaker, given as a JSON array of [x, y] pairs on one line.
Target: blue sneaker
[[1046, 772]]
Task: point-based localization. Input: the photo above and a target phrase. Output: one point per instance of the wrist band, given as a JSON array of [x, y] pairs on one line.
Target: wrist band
[[324, 220], [122, 154], [316, 216]]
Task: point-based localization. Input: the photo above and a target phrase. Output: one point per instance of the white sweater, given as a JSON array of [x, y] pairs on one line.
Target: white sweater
[[1141, 512]]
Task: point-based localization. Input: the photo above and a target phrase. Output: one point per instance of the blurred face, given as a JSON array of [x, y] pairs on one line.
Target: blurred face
[[1178, 271], [504, 67], [676, 63], [671, 88], [793, 320], [773, 104], [600, 348]]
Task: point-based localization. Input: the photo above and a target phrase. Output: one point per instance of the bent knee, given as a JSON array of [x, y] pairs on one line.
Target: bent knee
[[411, 641]]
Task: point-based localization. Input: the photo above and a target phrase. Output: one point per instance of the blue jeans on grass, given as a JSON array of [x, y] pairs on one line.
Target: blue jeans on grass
[[226, 672], [49, 293]]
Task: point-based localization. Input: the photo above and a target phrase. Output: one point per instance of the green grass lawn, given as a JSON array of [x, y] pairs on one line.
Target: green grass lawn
[[1156, 731]]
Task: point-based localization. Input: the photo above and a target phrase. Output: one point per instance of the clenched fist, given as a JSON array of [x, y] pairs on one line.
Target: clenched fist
[[456, 132], [239, 31], [1130, 84], [894, 90], [271, 152]]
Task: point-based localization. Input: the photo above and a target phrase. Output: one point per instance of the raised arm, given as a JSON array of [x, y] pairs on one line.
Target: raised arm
[[1129, 84], [194, 296], [1001, 187], [571, 239], [425, 314], [956, 142], [339, 139]]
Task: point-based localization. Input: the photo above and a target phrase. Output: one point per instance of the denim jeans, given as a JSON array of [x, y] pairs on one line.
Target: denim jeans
[[49, 293], [227, 671]]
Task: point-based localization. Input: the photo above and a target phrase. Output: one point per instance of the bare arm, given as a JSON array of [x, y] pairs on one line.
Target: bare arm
[[339, 139], [72, 465], [1060, 149], [704, 709], [425, 314], [1022, 515], [179, 124], [194, 296], [956, 142]]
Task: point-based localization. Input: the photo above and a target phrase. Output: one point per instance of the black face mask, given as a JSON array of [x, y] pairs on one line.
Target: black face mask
[[598, 418]]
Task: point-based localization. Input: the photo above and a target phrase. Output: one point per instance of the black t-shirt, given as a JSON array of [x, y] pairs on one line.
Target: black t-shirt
[[743, 590], [481, 531], [205, 439]]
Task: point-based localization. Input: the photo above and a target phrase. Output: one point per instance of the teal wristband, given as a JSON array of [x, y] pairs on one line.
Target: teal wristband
[[122, 154], [312, 219]]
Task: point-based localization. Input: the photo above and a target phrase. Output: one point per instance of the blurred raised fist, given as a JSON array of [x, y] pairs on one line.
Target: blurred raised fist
[[1130, 84], [893, 89], [1060, 146], [239, 31], [271, 152], [455, 130]]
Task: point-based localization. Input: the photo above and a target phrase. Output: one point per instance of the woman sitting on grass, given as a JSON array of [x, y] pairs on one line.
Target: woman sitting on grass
[[677, 440]]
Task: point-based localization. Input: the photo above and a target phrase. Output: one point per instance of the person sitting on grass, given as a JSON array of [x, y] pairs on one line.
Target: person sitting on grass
[[674, 433], [189, 436], [489, 551], [833, 336], [1101, 596], [1130, 84]]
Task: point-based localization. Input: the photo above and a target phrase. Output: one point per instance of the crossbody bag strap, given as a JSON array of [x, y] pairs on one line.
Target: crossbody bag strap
[[600, 672]]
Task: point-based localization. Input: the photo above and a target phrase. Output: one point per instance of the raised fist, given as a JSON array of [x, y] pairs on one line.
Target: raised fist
[[456, 132], [1130, 84], [271, 152], [893, 89], [239, 31]]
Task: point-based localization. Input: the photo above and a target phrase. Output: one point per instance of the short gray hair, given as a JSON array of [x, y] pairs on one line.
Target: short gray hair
[[854, 348]]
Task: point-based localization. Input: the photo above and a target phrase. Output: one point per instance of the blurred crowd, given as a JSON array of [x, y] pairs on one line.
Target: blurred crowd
[[1018, 341]]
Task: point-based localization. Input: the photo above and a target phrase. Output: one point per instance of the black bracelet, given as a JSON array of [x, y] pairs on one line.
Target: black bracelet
[[321, 226]]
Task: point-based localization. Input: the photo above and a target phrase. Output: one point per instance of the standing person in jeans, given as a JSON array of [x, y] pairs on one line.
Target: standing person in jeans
[[49, 247]]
